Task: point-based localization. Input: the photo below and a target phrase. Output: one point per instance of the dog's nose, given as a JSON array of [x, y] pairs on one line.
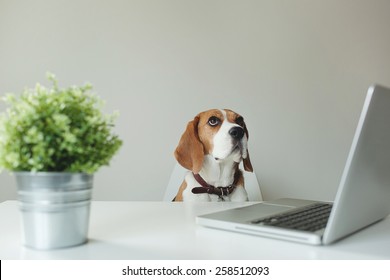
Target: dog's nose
[[236, 132]]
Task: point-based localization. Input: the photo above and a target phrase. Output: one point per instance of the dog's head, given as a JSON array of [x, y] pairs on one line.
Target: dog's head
[[219, 133]]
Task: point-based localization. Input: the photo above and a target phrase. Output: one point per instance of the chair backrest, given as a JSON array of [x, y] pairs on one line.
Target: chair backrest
[[251, 184]]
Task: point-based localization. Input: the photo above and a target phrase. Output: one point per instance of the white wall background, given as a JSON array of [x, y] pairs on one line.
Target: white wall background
[[297, 70]]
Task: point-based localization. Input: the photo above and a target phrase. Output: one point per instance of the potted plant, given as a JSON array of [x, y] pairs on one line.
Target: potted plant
[[53, 140]]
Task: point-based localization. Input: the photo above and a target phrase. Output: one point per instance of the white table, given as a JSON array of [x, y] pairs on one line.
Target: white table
[[164, 230]]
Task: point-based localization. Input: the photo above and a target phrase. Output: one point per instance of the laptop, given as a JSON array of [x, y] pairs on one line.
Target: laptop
[[363, 196]]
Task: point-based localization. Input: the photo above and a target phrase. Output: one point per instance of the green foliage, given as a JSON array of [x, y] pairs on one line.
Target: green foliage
[[56, 130]]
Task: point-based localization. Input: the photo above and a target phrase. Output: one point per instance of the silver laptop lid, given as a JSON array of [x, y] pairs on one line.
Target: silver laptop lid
[[364, 192]]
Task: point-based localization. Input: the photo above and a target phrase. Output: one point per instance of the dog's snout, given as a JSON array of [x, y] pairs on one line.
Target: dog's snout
[[236, 132]]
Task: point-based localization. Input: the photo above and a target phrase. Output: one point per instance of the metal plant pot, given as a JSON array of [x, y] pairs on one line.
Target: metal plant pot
[[55, 208]]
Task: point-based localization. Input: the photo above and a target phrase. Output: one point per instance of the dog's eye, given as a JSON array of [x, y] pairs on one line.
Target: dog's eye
[[214, 121], [240, 121]]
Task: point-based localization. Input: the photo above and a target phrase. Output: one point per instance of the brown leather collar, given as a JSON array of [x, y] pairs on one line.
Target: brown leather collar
[[207, 188]]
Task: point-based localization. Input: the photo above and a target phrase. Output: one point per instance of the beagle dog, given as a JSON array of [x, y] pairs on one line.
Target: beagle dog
[[211, 148]]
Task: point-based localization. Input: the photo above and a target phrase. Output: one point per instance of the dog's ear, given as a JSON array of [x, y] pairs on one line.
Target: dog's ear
[[247, 163], [190, 152], [246, 160]]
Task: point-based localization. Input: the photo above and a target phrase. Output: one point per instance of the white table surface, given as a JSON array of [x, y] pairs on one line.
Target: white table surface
[[164, 230]]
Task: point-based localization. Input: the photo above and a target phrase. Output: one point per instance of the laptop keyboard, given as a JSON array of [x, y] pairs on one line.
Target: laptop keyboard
[[309, 218]]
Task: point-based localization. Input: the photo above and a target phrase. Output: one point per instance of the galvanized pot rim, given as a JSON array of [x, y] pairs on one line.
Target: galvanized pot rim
[[48, 173], [42, 181]]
